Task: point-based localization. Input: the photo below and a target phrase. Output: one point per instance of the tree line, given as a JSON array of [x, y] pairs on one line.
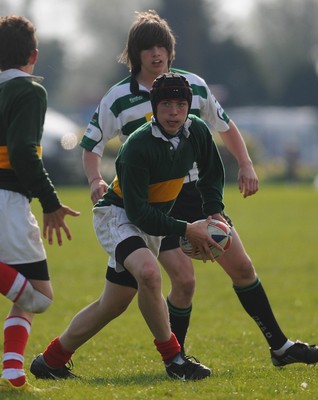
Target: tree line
[[274, 63]]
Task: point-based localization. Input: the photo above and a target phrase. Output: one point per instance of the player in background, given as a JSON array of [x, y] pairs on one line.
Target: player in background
[[150, 51], [24, 278]]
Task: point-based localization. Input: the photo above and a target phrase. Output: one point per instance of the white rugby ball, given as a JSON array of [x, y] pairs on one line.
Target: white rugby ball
[[219, 231]]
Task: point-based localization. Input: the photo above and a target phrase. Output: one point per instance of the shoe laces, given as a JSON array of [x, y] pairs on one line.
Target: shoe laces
[[70, 365], [190, 365], [299, 342], [191, 358]]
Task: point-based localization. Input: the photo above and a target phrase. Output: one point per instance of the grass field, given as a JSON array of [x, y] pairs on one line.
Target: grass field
[[279, 229]]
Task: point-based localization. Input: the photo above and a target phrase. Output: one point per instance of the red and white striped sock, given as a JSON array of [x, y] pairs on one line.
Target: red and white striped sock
[[12, 283], [16, 335]]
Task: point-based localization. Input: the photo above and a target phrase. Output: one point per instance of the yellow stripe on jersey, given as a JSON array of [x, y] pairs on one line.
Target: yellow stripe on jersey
[[4, 156], [165, 191], [160, 192], [116, 187]]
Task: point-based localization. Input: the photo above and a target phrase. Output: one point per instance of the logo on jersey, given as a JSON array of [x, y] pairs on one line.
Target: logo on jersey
[[135, 99]]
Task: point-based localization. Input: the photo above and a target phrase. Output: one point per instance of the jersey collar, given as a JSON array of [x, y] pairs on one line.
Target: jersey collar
[[156, 131], [13, 73], [135, 88]]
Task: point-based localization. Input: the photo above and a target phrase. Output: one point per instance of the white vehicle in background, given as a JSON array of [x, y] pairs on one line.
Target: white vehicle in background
[[61, 150], [280, 131]]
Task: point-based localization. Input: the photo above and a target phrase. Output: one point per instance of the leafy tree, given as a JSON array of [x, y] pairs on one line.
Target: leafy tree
[[201, 49], [285, 35], [236, 67], [275, 62], [104, 26], [301, 87], [50, 65]]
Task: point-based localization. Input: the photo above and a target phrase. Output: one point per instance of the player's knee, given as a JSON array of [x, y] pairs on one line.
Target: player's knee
[[183, 278], [243, 274], [150, 275], [247, 270], [35, 302], [189, 286], [41, 303], [183, 289]]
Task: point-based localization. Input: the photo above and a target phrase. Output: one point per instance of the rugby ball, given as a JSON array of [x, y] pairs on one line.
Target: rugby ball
[[219, 231]]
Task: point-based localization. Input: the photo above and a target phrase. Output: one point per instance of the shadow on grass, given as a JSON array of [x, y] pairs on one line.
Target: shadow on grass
[[135, 379], [142, 379]]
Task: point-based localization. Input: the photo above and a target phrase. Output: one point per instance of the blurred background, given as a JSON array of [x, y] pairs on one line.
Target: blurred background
[[260, 58]]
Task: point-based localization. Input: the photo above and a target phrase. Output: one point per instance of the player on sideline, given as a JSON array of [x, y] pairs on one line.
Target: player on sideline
[[149, 52], [24, 277]]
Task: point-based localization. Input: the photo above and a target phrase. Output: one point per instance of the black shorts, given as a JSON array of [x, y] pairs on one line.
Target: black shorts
[[36, 270], [188, 207], [123, 278], [126, 247]]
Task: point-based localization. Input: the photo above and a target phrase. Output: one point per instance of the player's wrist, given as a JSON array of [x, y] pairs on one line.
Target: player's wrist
[[90, 181]]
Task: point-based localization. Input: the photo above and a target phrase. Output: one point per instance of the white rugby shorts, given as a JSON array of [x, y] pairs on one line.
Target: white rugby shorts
[[20, 236], [112, 227]]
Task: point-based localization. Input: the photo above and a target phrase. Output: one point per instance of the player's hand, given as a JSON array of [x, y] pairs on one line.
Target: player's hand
[[54, 222], [197, 234], [98, 188], [221, 218], [248, 180]]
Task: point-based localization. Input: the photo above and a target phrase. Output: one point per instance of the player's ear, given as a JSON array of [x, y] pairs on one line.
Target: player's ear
[[34, 57]]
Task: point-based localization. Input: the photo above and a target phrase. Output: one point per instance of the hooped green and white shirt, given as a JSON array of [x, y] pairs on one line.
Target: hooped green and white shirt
[[126, 106]]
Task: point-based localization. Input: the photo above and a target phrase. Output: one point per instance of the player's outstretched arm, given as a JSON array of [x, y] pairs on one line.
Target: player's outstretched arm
[[54, 222]]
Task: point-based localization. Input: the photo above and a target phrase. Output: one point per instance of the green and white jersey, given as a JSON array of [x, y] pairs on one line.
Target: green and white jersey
[[126, 106]]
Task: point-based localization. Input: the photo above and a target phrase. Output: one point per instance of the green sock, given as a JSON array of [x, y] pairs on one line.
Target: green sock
[[179, 321]]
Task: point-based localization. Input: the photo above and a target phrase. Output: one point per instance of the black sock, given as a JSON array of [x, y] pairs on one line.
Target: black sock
[[179, 322], [255, 302]]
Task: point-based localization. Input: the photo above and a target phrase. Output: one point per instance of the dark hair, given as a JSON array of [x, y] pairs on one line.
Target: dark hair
[[147, 31], [170, 86], [17, 41]]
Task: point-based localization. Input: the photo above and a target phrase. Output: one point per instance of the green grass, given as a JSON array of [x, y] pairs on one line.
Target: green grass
[[278, 228]]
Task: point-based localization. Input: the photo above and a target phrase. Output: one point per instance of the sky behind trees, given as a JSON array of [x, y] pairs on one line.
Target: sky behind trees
[[48, 13]]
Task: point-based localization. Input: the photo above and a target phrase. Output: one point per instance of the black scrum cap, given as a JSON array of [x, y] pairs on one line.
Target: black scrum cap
[[170, 86]]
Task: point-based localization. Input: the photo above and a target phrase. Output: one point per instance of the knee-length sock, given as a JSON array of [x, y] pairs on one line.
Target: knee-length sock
[[179, 322], [16, 333], [255, 302]]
